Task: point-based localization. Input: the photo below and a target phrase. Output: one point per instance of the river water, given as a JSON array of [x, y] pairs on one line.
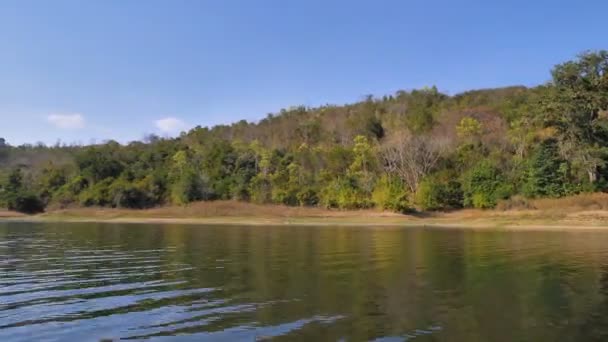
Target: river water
[[87, 282]]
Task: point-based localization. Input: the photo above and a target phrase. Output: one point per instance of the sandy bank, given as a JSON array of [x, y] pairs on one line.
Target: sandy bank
[[10, 214], [238, 213]]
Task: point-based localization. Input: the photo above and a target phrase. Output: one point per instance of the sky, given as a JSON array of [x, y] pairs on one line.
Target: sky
[[88, 71]]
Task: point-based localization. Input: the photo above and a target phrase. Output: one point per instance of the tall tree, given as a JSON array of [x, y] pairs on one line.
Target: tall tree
[[576, 109]]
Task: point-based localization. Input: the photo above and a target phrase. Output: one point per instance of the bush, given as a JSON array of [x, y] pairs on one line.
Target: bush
[[390, 194], [98, 194], [284, 196], [484, 185], [68, 193], [343, 193], [482, 200], [260, 190], [26, 203], [436, 194], [125, 194], [428, 195], [307, 197]]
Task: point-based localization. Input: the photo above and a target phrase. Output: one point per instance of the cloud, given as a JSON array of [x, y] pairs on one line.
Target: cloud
[[170, 125], [66, 121]]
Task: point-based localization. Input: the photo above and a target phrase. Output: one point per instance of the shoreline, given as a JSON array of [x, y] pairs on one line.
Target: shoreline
[[303, 222], [462, 219]]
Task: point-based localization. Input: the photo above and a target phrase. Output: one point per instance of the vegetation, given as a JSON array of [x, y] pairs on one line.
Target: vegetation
[[414, 149]]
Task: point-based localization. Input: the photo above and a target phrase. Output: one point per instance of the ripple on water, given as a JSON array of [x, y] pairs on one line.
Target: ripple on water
[[85, 282], [45, 295]]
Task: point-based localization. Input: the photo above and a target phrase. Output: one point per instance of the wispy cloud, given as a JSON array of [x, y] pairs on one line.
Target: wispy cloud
[[66, 121], [170, 125]]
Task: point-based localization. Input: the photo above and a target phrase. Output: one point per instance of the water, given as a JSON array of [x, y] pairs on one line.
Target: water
[[85, 282]]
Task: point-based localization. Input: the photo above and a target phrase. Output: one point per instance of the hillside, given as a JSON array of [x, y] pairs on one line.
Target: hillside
[[418, 149]]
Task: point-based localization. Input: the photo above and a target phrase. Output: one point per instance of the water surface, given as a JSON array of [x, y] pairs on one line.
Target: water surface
[[85, 282]]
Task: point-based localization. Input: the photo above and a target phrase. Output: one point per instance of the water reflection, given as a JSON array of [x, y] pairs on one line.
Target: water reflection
[[83, 282]]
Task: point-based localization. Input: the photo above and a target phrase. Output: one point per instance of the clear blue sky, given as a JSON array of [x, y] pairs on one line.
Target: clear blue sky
[[102, 69]]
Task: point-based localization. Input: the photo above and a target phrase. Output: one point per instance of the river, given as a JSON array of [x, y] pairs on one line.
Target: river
[[87, 282]]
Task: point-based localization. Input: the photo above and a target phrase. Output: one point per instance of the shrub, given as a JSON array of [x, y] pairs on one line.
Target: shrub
[[260, 190], [483, 200], [434, 193], [307, 197], [26, 203], [390, 194], [125, 194], [343, 193], [484, 185], [98, 194], [68, 193], [428, 195]]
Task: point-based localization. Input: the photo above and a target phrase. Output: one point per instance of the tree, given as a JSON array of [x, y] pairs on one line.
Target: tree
[[245, 169], [186, 184], [575, 107], [422, 108], [364, 164], [468, 128], [4, 150], [546, 172], [25, 202], [51, 179], [410, 157], [98, 163], [15, 196]]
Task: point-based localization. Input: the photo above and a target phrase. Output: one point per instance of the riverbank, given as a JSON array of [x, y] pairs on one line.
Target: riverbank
[[229, 212], [10, 214]]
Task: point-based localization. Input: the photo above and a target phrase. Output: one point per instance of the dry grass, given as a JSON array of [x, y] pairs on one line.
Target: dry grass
[[218, 209], [580, 202], [8, 213], [592, 201]]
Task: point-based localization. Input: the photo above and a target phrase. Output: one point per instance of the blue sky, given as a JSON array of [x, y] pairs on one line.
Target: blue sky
[[83, 71]]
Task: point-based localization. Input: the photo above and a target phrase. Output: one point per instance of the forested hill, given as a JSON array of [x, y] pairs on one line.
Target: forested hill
[[413, 149]]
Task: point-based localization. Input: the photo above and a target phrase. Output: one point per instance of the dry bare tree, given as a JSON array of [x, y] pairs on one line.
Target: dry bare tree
[[411, 157]]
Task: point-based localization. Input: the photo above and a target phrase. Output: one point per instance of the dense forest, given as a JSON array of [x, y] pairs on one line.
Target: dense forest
[[413, 150]]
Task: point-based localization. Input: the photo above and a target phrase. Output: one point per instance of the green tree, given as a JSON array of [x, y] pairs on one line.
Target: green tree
[[468, 128], [186, 184], [575, 107], [546, 172], [15, 196], [4, 149], [423, 107]]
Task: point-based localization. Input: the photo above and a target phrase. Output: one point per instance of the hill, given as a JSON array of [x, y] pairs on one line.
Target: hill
[[418, 149]]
